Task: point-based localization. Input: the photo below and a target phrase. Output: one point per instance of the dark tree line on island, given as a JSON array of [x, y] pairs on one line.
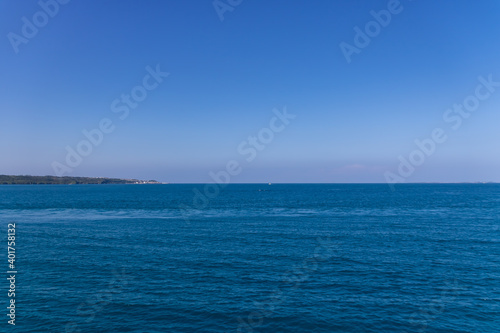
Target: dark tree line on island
[[51, 180]]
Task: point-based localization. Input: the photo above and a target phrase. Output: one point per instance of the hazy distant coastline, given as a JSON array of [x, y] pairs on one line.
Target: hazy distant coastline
[[53, 180]]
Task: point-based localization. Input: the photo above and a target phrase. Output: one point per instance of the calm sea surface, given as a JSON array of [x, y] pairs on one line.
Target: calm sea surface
[[255, 258]]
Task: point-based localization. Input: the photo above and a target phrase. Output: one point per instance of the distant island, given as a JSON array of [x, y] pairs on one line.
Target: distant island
[[53, 180]]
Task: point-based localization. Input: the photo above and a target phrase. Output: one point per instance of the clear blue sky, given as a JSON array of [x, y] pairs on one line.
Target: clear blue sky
[[353, 120]]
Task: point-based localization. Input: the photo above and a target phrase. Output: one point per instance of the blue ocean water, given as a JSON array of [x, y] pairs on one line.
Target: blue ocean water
[[254, 258]]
